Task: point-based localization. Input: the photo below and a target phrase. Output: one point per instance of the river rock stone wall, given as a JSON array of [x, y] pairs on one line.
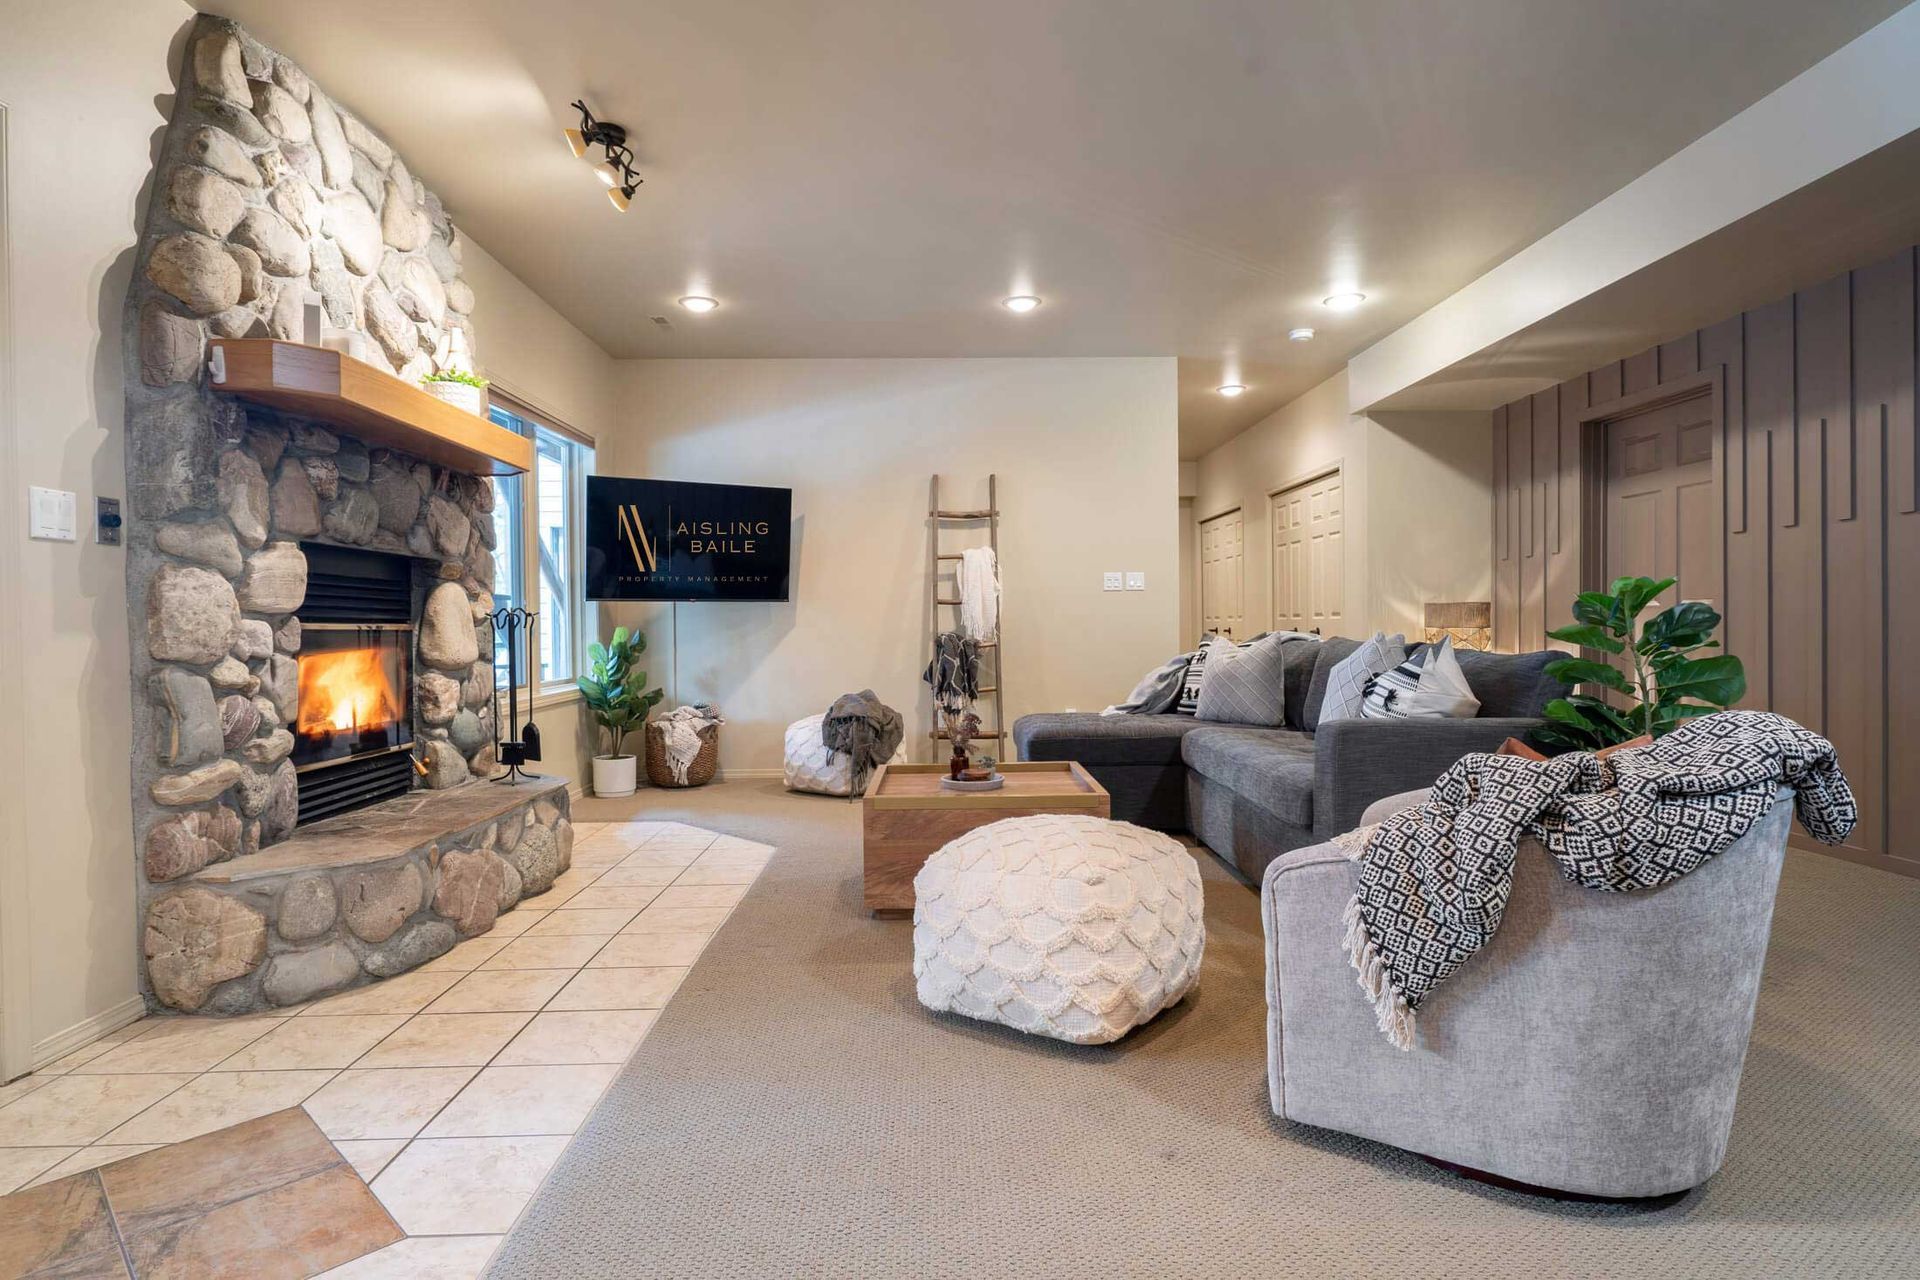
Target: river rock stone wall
[[239, 944], [266, 191]]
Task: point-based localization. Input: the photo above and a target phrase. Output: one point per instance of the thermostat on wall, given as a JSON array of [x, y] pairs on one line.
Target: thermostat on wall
[[50, 514]]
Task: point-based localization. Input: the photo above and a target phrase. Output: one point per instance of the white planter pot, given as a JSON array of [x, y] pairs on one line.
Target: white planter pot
[[614, 775], [459, 395]]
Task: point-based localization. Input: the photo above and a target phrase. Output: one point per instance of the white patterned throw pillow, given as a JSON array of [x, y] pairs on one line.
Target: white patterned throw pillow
[[1431, 686], [1347, 682]]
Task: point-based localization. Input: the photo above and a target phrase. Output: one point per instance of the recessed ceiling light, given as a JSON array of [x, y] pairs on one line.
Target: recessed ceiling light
[[1343, 301], [1230, 389], [1020, 303], [1302, 334], [696, 302]]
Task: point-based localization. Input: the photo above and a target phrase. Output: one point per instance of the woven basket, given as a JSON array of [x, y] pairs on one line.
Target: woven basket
[[699, 773]]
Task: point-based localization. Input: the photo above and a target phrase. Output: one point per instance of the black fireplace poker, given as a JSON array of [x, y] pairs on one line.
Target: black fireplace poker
[[514, 752]]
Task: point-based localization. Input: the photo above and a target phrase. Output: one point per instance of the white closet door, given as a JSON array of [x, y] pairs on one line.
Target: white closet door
[[1309, 556], [1222, 598]]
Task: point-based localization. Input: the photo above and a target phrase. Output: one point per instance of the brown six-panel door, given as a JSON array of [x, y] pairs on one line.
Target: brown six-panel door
[[1663, 500]]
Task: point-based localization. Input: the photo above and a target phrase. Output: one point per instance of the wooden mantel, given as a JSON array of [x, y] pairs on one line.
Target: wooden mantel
[[376, 407]]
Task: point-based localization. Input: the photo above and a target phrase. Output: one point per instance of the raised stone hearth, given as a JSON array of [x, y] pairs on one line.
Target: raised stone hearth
[[267, 196], [352, 899]]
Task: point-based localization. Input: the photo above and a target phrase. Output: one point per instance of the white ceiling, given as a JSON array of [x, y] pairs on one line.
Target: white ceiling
[[869, 177]]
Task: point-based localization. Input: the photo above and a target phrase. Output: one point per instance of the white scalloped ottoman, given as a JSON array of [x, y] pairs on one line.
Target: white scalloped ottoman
[[812, 766], [1058, 925]]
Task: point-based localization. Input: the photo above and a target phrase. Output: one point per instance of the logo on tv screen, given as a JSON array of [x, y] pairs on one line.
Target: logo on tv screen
[[673, 540]]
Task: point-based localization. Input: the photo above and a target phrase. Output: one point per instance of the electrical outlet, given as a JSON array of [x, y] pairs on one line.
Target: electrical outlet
[[1136, 582], [1112, 582]]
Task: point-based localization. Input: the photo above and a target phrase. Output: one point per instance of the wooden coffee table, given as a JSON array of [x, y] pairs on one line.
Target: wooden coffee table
[[906, 815]]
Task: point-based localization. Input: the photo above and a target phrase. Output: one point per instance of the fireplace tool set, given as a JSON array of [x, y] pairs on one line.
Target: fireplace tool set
[[515, 624]]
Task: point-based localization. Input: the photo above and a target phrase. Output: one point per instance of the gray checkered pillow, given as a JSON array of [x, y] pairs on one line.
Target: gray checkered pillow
[[1246, 684], [1347, 682]]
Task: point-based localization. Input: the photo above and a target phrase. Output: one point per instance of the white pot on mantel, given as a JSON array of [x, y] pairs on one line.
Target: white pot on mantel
[[614, 775], [459, 395]]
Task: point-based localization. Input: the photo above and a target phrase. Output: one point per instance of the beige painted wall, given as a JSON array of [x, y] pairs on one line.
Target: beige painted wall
[[1430, 495], [71, 223], [107, 66], [1086, 452], [1419, 502]]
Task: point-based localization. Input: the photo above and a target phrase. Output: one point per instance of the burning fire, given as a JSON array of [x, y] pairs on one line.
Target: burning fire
[[345, 690]]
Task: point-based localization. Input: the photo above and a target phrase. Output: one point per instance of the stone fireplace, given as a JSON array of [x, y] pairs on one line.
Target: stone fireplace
[[314, 736]]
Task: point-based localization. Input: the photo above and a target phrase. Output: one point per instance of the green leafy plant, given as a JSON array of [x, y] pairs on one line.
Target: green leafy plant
[[614, 690], [1658, 672], [460, 376]]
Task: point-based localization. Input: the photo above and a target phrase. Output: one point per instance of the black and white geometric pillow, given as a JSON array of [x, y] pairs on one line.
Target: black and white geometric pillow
[[1389, 694], [1347, 682], [1431, 686], [1188, 703]]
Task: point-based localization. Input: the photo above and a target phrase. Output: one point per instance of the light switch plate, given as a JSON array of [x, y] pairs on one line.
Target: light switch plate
[[1136, 582], [50, 514], [1111, 582]]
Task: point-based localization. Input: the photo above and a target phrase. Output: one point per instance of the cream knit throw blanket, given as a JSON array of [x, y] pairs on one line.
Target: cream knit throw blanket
[[680, 735], [1433, 880], [979, 581]]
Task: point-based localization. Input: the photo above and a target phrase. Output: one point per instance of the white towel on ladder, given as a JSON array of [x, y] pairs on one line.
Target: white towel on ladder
[[979, 579]]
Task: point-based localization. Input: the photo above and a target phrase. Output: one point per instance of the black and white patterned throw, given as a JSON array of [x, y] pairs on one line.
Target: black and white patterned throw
[[1433, 880]]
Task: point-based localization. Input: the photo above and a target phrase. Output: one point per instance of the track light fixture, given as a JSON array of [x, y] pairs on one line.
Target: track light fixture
[[616, 170]]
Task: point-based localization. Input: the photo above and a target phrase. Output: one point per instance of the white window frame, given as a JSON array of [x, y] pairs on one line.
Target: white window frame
[[585, 615]]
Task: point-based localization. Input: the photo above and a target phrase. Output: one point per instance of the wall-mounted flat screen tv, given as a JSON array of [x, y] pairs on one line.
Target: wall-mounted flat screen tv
[[674, 540]]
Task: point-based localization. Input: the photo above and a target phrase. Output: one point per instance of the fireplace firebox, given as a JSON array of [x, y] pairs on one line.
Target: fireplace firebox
[[353, 734]]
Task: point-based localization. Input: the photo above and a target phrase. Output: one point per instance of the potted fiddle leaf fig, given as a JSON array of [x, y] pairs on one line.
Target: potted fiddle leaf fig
[[1659, 680], [619, 699]]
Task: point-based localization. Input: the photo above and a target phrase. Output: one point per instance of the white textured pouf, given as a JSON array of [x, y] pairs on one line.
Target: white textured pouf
[[811, 766], [1058, 925]]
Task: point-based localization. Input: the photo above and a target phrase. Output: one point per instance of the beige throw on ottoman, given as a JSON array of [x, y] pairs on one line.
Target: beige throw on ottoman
[[1058, 925]]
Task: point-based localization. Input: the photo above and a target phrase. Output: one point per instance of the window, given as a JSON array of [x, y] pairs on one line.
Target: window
[[539, 550], [507, 589]]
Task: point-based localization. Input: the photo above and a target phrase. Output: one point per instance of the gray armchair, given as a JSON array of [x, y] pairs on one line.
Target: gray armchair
[[1594, 1047]]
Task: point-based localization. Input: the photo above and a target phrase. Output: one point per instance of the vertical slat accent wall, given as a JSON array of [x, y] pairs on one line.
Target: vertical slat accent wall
[[1563, 553], [1819, 467], [1506, 572]]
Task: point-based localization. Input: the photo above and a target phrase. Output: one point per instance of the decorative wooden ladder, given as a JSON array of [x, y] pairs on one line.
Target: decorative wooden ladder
[[937, 518]]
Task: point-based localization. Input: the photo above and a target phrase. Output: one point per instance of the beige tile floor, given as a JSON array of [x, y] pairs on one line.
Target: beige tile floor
[[453, 1088]]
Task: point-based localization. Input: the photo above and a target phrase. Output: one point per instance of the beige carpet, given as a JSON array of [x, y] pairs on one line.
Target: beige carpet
[[796, 1113]]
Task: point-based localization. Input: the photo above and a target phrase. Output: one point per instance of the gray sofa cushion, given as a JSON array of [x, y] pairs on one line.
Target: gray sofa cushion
[[1098, 739], [1272, 768], [1332, 650], [1509, 684]]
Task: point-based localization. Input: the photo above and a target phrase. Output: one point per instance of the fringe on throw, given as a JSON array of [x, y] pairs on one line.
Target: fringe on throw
[[1389, 1007]]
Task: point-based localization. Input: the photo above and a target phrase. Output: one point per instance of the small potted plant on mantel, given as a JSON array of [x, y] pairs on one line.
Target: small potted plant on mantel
[[613, 693], [460, 388]]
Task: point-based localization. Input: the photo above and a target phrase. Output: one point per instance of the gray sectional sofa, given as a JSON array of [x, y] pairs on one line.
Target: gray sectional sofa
[[1251, 794]]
